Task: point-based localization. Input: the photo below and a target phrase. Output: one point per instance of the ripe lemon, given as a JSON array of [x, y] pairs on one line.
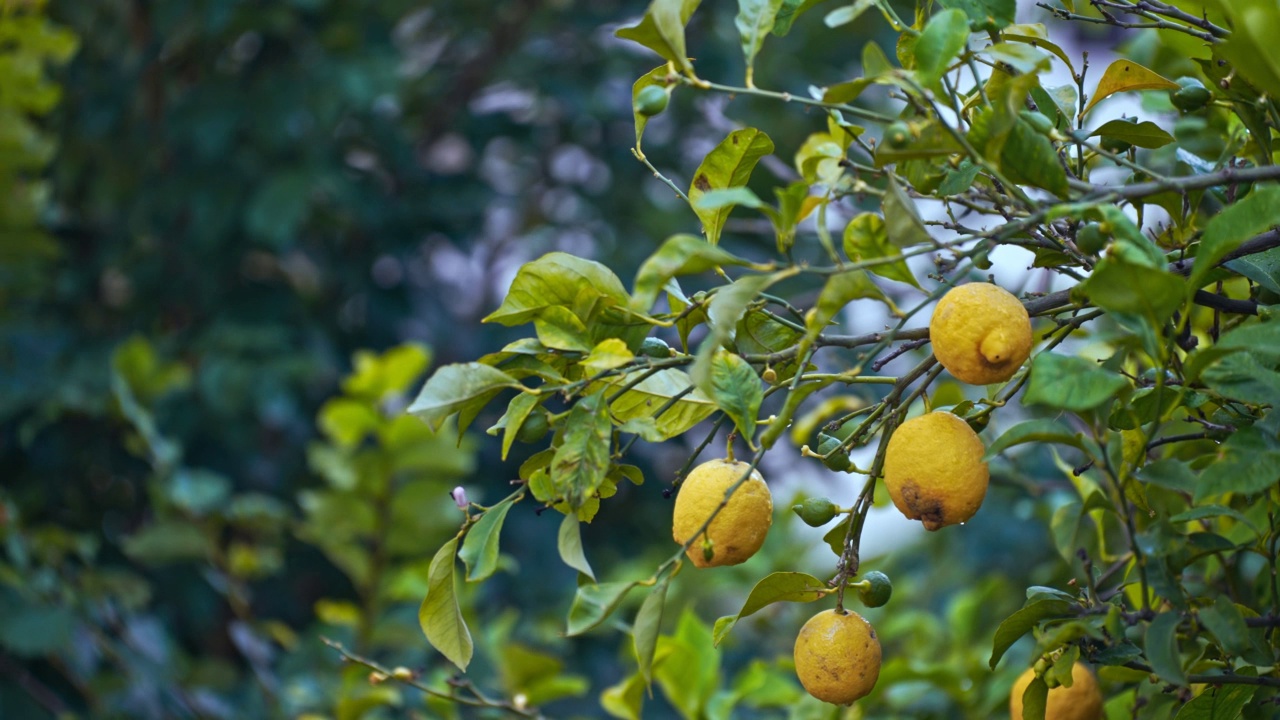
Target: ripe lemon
[[933, 470], [980, 333], [1081, 701], [738, 531], [837, 657]]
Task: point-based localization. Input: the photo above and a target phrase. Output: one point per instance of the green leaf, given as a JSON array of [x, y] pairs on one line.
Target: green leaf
[[1035, 700], [582, 460], [1121, 287], [455, 388], [1224, 702], [1126, 75], [1225, 621], [1250, 47], [985, 14], [648, 623], [517, 412], [1162, 648], [1021, 622], [439, 615], [166, 542], [1028, 158], [1248, 463], [626, 699], [690, 672], [656, 76], [570, 546], [606, 355], [1256, 213], [559, 329], [1071, 383], [839, 290], [943, 38], [787, 14], [480, 546], [662, 30], [776, 587], [755, 21], [866, 239], [594, 603], [654, 392], [902, 222], [730, 302], [1038, 431], [559, 279], [1145, 134], [731, 382], [728, 165], [847, 14], [678, 255]]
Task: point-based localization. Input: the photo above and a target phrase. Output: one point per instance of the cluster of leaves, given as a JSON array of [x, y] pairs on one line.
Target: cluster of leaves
[[1169, 526]]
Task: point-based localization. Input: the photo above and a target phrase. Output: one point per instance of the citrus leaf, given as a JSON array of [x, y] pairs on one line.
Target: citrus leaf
[[626, 699], [1255, 213], [648, 623], [787, 14], [728, 165], [1126, 75], [902, 222], [1129, 289], [944, 36], [679, 255], [839, 290], [1035, 700], [1021, 622], [581, 461], [754, 22], [439, 615], [986, 14], [662, 30], [608, 354], [776, 587], [1221, 702], [1145, 134], [480, 546], [558, 279], [1162, 648], [559, 329], [569, 543], [1028, 158], [1036, 35], [1248, 463], [594, 603], [453, 388], [1048, 431], [1071, 383], [734, 386], [656, 76], [654, 392], [730, 302], [865, 239]]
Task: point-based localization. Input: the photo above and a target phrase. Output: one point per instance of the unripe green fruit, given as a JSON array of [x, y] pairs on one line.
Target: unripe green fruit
[[534, 427], [816, 512], [1037, 121], [651, 100], [878, 590], [1192, 95], [835, 460], [1090, 239], [655, 348], [897, 134]]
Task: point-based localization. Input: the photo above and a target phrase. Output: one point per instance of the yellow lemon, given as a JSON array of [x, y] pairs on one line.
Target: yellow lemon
[[837, 657], [980, 333], [1081, 701], [739, 529], [933, 470]]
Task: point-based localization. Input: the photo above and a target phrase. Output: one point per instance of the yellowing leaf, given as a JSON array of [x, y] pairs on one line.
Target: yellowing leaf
[[1126, 75]]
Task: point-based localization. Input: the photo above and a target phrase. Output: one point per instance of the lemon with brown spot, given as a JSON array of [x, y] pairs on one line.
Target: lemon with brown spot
[[933, 470], [980, 333], [837, 657], [1081, 701], [739, 529]]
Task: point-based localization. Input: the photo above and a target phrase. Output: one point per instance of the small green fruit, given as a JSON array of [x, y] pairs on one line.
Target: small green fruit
[[897, 134], [651, 100], [655, 348], [834, 459], [816, 512], [877, 590], [1090, 239], [1192, 96], [534, 427]]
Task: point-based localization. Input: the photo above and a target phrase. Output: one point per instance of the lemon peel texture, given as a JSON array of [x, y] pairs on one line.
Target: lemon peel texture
[[739, 529], [837, 657], [933, 470], [980, 333]]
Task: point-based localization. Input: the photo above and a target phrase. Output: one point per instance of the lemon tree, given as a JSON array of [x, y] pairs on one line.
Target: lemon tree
[[1125, 389]]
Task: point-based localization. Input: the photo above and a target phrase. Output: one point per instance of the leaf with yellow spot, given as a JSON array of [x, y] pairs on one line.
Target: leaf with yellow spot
[[1126, 75]]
